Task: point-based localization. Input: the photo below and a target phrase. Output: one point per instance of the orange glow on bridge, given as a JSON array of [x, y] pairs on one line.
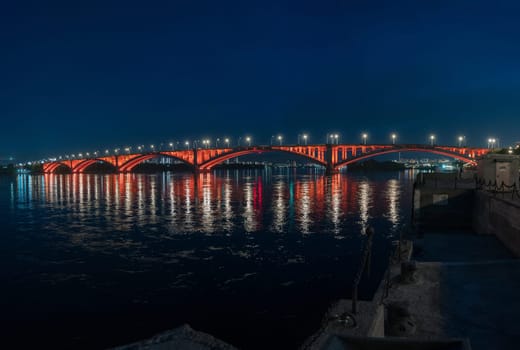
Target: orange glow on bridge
[[333, 157]]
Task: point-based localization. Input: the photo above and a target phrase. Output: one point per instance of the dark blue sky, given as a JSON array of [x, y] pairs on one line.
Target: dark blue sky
[[85, 75]]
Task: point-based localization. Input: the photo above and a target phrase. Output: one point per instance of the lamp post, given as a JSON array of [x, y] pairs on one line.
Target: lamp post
[[226, 140], [305, 139], [365, 136], [248, 140], [187, 144], [461, 138], [280, 139], [394, 136], [432, 139]]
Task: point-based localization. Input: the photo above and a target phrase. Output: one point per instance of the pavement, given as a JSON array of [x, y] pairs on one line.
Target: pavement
[[477, 294]]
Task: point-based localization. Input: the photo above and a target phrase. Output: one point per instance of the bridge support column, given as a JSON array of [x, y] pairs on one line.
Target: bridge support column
[[330, 158], [197, 170], [330, 170]]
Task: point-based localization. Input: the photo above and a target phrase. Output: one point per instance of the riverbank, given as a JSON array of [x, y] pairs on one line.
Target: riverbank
[[455, 289]]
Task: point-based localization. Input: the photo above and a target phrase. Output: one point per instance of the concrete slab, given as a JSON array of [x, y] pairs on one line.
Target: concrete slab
[[477, 300], [183, 337], [481, 301], [459, 246]]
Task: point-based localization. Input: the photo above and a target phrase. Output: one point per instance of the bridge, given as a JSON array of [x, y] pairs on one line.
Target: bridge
[[332, 156]]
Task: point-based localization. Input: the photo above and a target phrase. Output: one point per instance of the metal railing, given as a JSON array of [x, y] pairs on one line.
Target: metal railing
[[496, 189], [365, 265]]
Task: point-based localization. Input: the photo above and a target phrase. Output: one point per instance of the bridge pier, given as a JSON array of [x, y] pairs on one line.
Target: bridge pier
[[197, 170], [330, 170]]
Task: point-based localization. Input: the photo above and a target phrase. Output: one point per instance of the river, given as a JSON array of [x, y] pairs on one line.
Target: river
[[253, 257]]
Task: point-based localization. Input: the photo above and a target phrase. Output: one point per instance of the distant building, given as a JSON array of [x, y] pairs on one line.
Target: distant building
[[6, 161]]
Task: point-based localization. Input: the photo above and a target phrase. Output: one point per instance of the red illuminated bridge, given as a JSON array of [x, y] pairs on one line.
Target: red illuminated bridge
[[332, 157]]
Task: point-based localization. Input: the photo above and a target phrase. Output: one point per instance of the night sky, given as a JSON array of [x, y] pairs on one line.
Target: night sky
[[87, 75]]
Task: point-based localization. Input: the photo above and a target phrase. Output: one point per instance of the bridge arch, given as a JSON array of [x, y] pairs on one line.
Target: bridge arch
[[208, 165], [54, 166], [461, 157], [132, 163], [81, 167]]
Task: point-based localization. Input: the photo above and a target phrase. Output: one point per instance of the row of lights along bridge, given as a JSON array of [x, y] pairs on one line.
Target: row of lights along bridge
[[303, 139]]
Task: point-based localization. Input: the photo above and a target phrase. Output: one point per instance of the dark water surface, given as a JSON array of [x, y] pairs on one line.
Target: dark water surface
[[252, 257]]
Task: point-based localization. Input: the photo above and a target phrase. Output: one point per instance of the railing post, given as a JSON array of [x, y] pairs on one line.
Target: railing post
[[366, 255]]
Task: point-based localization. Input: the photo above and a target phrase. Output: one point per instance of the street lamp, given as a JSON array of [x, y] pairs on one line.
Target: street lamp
[[226, 140], [432, 139], [305, 139], [334, 138], [171, 145], [248, 140], [394, 136], [280, 139], [364, 138], [461, 138], [187, 143], [491, 143]]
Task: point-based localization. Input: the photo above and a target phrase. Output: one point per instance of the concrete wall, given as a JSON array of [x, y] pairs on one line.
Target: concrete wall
[[493, 214], [443, 207], [499, 168]]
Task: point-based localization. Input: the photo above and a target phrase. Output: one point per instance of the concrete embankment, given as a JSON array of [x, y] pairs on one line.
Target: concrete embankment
[[459, 291], [445, 201], [498, 214]]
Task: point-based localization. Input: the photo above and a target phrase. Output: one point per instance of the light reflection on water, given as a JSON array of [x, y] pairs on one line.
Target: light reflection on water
[[164, 241], [213, 203]]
